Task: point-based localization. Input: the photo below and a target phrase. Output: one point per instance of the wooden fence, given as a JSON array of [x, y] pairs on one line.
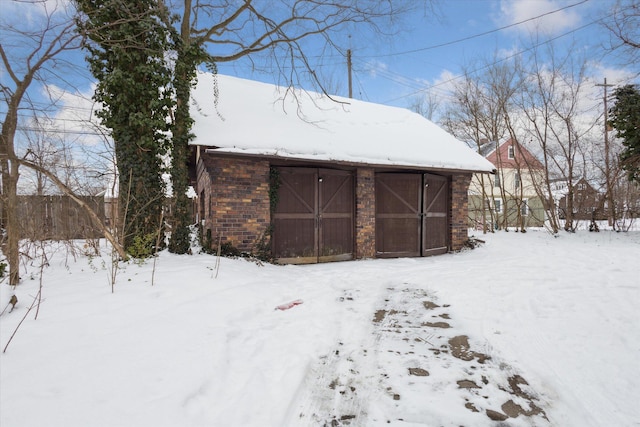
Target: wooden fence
[[58, 217]]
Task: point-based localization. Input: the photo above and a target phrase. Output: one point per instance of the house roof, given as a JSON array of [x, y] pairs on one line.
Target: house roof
[[253, 118], [499, 155], [487, 148]]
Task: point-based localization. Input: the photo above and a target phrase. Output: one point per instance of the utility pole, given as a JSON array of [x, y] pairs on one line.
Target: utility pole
[[607, 162], [349, 72]]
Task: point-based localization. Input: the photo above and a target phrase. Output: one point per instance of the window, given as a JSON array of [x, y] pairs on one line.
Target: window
[[497, 205], [511, 154], [582, 186], [496, 180], [524, 207], [517, 180]]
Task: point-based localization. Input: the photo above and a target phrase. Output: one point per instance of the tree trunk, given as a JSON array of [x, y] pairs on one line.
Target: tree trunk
[[185, 70], [10, 174], [13, 231]]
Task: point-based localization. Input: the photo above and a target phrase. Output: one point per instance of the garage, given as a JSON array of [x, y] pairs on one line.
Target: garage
[[313, 220], [327, 155], [411, 214]]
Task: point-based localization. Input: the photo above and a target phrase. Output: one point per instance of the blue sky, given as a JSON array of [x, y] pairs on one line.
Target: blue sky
[[433, 47], [428, 52]]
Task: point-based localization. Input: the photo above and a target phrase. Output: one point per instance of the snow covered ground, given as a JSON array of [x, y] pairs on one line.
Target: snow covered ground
[[543, 330]]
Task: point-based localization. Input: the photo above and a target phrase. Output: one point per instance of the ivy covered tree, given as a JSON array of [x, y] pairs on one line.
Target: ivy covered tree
[[188, 56], [624, 117], [128, 41]]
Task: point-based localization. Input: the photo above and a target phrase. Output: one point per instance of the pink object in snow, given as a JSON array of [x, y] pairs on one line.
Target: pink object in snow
[[288, 305]]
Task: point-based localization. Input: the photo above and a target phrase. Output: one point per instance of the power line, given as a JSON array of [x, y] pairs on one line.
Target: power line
[[475, 35], [60, 131], [343, 54], [55, 104], [412, 84], [55, 119], [397, 78], [494, 63]]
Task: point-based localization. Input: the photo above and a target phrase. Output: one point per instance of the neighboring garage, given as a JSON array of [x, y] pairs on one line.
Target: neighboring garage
[[315, 179]]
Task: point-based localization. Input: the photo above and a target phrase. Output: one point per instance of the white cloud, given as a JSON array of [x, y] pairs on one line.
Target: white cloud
[[445, 81], [615, 76], [513, 11], [376, 67], [75, 115], [26, 14], [437, 92]]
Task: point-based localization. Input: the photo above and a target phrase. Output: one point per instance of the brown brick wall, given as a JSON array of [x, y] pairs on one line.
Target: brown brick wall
[[459, 210], [365, 214], [235, 205], [236, 199]]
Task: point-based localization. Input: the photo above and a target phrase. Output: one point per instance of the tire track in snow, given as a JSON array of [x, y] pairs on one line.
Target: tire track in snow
[[417, 369], [338, 386]]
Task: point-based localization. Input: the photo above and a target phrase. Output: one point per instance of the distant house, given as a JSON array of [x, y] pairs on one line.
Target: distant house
[[508, 198], [558, 188], [588, 203], [325, 179]]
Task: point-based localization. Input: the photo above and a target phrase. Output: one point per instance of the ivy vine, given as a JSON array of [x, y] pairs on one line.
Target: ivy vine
[[274, 188]]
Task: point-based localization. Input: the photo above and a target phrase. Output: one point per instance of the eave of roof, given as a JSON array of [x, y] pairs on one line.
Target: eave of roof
[[279, 159]]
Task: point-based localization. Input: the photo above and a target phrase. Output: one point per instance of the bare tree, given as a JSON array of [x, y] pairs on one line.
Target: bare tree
[[30, 53], [557, 122], [480, 114], [50, 149], [427, 105], [623, 23], [44, 150], [620, 201], [628, 197], [469, 118]]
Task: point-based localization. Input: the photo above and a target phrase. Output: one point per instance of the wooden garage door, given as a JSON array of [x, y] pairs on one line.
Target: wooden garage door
[[398, 209], [313, 220], [435, 219], [411, 214]]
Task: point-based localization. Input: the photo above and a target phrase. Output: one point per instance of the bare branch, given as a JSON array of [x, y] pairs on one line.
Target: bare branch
[[66, 190], [623, 24]]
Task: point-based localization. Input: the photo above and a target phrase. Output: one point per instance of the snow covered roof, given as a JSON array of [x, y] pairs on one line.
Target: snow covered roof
[[254, 118]]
